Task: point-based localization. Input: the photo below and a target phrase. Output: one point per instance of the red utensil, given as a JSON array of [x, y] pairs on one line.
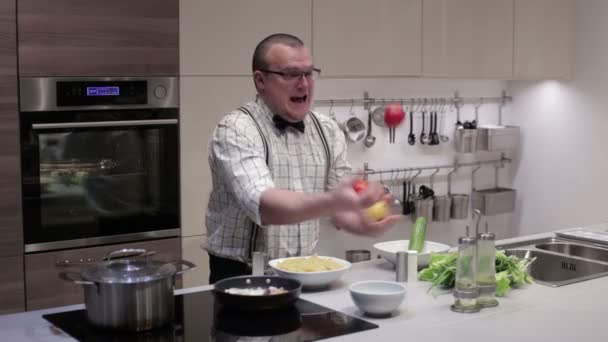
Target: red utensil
[[393, 117]]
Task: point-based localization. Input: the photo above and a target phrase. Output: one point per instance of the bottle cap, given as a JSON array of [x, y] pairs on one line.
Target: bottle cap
[[467, 240]]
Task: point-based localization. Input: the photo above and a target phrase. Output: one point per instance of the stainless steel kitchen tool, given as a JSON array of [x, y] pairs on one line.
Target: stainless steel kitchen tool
[[441, 208], [129, 294], [370, 140], [411, 138], [354, 128], [459, 203], [465, 140], [493, 201], [424, 208], [497, 138], [378, 116]]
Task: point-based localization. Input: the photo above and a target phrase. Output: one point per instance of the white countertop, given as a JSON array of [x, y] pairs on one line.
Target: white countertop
[[537, 312]]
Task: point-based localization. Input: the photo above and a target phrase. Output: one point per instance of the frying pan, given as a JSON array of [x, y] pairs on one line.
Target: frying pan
[[238, 302]]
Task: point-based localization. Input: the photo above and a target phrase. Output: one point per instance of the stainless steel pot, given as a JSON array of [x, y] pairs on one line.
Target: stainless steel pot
[[129, 294]]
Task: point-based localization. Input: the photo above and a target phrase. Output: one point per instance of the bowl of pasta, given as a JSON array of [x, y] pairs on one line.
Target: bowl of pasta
[[313, 271]]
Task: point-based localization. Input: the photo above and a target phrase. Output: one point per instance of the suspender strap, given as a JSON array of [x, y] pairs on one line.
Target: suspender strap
[[319, 128], [264, 142], [254, 227]]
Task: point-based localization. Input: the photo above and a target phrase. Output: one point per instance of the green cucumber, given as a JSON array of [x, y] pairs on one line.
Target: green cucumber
[[418, 235]]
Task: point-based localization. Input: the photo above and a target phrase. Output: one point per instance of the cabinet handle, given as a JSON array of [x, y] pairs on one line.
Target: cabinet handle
[[67, 262]]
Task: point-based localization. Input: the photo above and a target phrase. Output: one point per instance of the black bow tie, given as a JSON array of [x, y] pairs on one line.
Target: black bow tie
[[281, 124]]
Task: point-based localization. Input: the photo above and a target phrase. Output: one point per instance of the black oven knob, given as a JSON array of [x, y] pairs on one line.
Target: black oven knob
[[160, 92]]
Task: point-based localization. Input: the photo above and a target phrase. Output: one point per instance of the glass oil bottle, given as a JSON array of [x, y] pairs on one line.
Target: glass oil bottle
[[466, 291], [486, 269]]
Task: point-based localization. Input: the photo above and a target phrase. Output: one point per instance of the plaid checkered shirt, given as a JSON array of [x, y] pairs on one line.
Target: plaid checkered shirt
[[296, 161]]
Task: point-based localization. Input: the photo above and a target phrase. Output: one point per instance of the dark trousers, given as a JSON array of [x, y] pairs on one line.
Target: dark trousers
[[220, 268]]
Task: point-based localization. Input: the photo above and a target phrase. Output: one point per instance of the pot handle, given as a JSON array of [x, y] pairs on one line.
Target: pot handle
[[128, 252], [75, 278], [184, 262]]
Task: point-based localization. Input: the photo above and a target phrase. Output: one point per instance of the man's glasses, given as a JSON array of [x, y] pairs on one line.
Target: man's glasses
[[295, 75]]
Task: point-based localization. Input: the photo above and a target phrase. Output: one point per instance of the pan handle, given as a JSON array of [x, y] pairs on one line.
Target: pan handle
[[75, 278], [184, 262]]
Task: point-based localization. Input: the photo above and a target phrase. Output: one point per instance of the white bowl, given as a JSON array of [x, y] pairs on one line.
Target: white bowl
[[389, 250], [376, 297], [312, 279]]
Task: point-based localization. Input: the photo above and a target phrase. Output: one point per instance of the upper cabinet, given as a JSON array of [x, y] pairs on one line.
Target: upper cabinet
[[544, 37], [467, 38], [483, 39], [98, 38], [218, 37], [354, 38]]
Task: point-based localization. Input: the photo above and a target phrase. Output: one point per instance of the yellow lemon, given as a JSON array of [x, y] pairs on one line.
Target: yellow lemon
[[378, 211]]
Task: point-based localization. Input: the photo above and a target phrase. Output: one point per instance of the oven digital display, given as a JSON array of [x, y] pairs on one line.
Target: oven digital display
[[103, 91]]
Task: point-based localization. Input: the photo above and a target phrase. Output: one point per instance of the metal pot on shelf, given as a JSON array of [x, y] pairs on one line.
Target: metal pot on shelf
[[129, 294]]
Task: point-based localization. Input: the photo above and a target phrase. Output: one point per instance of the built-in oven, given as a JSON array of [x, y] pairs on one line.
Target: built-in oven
[[99, 159]]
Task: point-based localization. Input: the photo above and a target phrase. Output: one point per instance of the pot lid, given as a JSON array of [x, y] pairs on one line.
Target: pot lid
[[128, 271]]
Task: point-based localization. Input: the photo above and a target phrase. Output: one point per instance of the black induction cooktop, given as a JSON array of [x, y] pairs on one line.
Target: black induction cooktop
[[198, 318]]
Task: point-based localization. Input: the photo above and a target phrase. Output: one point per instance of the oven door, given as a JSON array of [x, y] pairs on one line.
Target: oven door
[[99, 177]]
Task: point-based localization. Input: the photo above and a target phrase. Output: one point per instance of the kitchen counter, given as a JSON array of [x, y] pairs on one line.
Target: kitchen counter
[[536, 312]]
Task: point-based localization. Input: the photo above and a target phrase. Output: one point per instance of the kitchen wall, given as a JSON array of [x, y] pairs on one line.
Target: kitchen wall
[[562, 170]]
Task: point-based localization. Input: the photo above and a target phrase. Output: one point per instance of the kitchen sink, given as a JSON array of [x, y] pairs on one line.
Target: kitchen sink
[[555, 270], [560, 261], [575, 249]]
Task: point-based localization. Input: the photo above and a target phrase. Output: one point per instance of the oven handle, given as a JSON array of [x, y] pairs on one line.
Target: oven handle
[[104, 124]]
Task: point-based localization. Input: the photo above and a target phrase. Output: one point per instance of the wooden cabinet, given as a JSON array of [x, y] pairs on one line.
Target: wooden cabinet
[[544, 39], [218, 37], [11, 236], [44, 288], [12, 289], [98, 38], [467, 38], [12, 296], [355, 38]]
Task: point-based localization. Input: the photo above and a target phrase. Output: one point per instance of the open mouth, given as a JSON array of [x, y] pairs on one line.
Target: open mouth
[[298, 99]]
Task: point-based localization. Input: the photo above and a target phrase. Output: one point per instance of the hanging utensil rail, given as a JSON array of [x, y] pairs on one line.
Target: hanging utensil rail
[[367, 171], [455, 101]]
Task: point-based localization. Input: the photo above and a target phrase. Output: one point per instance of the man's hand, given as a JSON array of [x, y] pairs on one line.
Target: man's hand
[[357, 222], [345, 196], [351, 214]]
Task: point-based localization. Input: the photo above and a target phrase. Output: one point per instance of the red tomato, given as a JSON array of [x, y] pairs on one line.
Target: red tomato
[[360, 186]]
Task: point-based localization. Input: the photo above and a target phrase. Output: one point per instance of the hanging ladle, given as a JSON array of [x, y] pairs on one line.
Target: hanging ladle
[[422, 134], [411, 138], [370, 140], [444, 138]]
